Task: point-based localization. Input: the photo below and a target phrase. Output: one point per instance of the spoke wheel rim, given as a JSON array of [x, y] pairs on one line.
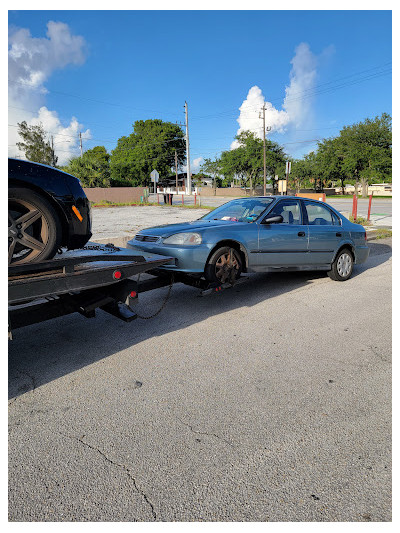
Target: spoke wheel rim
[[227, 266], [28, 231], [344, 264]]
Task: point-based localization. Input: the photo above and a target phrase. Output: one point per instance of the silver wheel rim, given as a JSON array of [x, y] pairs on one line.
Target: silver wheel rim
[[344, 265]]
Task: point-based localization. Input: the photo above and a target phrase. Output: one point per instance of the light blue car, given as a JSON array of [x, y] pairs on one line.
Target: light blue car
[[259, 234]]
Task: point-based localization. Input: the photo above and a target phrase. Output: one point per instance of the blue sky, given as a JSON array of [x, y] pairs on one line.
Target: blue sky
[[99, 71]]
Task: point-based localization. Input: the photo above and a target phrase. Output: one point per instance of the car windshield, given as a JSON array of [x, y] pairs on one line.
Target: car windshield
[[240, 210]]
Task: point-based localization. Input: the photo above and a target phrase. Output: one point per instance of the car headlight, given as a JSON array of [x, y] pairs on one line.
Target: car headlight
[[183, 238]]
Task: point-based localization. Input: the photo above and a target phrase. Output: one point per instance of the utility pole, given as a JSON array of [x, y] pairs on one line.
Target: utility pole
[[189, 177], [176, 171], [80, 142], [52, 151], [265, 164]]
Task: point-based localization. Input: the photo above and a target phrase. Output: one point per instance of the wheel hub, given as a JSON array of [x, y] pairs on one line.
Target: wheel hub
[[344, 265]]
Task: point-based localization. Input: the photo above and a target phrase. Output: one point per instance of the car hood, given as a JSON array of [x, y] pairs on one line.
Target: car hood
[[195, 225]]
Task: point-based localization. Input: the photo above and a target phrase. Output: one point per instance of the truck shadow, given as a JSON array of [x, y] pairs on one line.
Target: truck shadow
[[50, 350]]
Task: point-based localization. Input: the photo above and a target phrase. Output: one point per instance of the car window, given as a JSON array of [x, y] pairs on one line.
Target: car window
[[289, 210], [240, 210], [318, 215]]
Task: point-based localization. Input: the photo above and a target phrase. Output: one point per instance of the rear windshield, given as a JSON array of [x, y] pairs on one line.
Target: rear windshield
[[240, 210]]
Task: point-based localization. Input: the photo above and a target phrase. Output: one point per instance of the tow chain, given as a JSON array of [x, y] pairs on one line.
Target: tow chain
[[102, 247], [163, 304]]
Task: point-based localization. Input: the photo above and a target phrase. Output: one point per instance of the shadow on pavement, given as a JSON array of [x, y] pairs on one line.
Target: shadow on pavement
[[44, 352]]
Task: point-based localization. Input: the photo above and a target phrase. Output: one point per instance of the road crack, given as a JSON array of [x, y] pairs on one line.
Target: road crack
[[205, 433], [374, 350], [124, 467]]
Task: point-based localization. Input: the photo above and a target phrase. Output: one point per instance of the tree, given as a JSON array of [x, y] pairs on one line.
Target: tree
[[212, 168], [330, 159], [92, 168], [247, 161], [367, 150], [151, 146], [34, 145]]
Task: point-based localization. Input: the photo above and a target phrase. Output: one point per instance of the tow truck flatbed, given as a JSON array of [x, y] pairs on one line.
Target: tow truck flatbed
[[77, 281]]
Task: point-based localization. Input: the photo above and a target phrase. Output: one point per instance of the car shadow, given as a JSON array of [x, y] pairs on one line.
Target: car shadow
[[47, 351]]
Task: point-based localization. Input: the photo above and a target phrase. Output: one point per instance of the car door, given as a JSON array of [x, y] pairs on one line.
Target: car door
[[325, 232], [283, 244]]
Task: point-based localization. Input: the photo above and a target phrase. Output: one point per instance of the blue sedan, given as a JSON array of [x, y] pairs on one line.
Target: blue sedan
[[259, 234]]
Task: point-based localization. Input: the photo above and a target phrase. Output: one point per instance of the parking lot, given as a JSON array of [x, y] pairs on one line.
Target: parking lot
[[270, 401]]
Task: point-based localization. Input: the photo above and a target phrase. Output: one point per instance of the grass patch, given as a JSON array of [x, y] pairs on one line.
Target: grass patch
[[333, 196], [382, 233], [360, 220], [107, 203]]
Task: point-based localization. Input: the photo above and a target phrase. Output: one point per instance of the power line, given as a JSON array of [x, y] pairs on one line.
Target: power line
[[86, 98], [314, 87]]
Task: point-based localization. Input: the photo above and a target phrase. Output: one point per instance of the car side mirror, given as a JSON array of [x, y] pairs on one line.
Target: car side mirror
[[278, 219]]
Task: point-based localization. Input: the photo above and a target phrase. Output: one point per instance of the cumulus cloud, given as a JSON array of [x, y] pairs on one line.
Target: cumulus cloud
[[295, 110], [31, 61], [195, 167]]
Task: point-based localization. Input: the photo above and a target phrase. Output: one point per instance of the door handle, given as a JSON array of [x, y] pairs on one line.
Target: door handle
[[301, 234], [338, 234]]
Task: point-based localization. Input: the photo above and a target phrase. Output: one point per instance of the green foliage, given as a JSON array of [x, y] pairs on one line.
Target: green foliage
[[361, 153], [151, 146], [360, 220], [367, 150], [92, 168], [214, 169], [383, 233], [34, 145], [246, 162]]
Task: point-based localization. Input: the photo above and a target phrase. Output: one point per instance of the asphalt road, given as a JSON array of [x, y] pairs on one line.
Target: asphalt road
[[270, 401]]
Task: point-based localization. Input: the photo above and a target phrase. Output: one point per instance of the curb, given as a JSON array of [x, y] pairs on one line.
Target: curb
[[371, 233]]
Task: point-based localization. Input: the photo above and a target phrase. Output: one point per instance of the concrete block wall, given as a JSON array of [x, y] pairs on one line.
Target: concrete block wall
[[115, 194]]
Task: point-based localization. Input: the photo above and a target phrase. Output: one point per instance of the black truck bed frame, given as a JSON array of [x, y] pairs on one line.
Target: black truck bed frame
[[77, 281]]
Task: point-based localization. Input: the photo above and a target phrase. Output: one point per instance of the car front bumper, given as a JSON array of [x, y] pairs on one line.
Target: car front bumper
[[188, 259]]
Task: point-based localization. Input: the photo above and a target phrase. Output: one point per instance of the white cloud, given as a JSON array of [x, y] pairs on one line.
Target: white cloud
[[297, 101], [296, 109], [196, 164], [31, 63]]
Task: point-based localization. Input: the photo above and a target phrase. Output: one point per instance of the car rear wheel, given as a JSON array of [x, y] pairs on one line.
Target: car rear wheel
[[34, 229], [225, 265], [342, 266]]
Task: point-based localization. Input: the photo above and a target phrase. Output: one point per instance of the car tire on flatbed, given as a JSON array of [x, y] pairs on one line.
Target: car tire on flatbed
[[224, 265], [342, 267], [34, 228]]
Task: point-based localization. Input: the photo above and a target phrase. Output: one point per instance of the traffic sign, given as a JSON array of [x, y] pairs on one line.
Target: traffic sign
[[154, 175]]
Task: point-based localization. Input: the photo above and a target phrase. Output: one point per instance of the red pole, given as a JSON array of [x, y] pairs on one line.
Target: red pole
[[354, 204], [194, 198], [158, 199], [355, 207], [182, 200], [369, 207]]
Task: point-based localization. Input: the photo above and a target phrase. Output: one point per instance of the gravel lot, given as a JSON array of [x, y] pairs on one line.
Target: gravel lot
[[122, 223], [270, 401]]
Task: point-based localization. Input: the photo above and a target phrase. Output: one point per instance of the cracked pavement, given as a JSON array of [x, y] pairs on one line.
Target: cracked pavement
[[270, 401]]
